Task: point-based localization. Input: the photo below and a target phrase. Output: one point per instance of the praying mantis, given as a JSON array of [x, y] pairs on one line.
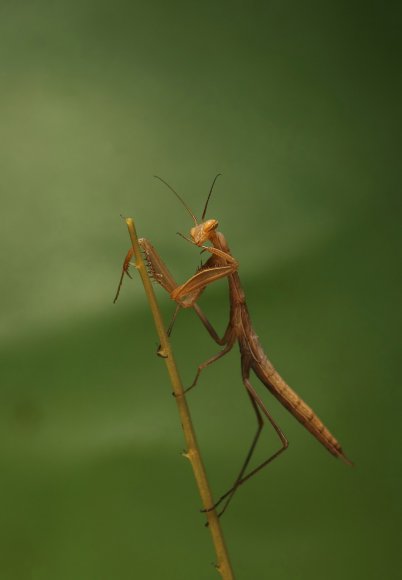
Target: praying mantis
[[222, 264]]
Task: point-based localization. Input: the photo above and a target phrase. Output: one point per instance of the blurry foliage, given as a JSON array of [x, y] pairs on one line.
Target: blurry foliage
[[296, 105]]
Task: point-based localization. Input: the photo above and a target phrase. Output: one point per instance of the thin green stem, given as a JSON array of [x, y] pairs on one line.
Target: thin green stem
[[192, 453]]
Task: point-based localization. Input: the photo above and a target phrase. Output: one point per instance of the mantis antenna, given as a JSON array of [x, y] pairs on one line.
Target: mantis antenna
[[209, 195], [179, 197]]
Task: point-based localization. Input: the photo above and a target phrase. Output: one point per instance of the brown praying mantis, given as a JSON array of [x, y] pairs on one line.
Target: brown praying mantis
[[221, 264]]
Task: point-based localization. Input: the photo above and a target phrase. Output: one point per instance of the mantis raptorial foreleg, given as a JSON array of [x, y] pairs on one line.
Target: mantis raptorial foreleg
[[186, 294], [207, 274], [124, 272]]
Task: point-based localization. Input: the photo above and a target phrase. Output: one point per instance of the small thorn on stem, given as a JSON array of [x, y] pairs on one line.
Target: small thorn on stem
[[160, 351]]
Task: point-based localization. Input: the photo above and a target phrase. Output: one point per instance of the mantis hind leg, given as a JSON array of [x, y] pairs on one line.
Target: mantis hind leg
[[229, 494], [258, 406]]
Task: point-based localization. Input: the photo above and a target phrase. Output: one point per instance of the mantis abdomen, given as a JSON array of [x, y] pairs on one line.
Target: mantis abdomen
[[297, 407]]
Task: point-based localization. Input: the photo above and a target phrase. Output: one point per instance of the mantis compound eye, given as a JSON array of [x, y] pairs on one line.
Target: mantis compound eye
[[210, 225]]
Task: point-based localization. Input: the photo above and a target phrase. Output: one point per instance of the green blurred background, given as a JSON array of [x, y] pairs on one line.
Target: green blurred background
[[296, 104]]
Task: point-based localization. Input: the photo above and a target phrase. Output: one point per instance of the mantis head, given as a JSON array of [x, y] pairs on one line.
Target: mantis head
[[202, 232]]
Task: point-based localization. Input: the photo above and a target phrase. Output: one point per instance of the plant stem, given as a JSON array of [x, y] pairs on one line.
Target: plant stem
[[192, 453]]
